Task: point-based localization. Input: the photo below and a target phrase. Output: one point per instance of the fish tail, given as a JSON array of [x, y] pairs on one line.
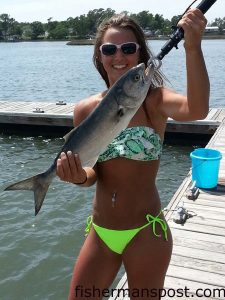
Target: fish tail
[[39, 184]]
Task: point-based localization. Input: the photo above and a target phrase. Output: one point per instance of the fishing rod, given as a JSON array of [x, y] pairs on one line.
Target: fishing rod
[[178, 34]]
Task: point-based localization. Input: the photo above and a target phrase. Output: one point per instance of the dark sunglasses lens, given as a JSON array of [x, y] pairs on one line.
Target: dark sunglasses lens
[[109, 49], [129, 48]]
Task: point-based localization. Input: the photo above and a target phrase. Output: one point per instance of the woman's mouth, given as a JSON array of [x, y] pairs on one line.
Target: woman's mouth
[[119, 67]]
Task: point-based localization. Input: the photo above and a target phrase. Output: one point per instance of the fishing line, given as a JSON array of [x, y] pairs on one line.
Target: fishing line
[[175, 26], [178, 33]]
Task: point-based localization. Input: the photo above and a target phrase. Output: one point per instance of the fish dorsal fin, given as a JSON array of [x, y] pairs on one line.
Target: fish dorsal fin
[[67, 136]]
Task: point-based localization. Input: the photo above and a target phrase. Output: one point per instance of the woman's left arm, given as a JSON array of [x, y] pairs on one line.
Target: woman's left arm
[[196, 104]]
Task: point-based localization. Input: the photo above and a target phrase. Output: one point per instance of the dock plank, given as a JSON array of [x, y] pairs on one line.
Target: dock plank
[[200, 254], [190, 226], [24, 112], [212, 114], [198, 264], [198, 259], [194, 243], [192, 235], [204, 277], [221, 116], [208, 200]]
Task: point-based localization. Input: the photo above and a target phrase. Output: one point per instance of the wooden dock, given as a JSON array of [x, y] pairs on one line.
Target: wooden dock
[[54, 119], [198, 259]]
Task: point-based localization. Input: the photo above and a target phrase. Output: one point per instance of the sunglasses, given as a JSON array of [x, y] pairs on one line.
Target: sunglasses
[[127, 48]]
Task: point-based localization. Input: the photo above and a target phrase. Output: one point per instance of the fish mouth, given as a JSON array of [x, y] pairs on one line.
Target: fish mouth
[[153, 65], [147, 73]]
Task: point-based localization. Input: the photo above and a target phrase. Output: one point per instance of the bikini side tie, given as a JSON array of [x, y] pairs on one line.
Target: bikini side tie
[[89, 224], [153, 220]]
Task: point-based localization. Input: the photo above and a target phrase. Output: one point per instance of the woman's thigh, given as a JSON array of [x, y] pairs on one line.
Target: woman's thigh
[[146, 260], [95, 269]]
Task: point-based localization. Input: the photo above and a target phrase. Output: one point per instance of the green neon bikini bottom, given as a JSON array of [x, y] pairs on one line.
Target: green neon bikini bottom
[[117, 240]]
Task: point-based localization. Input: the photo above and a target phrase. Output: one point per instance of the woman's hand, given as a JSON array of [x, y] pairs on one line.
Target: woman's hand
[[69, 168], [193, 24]]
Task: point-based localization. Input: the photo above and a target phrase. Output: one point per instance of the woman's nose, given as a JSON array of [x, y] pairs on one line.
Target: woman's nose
[[119, 53]]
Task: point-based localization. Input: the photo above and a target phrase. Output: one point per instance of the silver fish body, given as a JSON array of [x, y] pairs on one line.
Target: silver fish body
[[92, 136]]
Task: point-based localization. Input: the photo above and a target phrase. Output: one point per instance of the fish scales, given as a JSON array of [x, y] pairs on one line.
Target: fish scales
[[92, 136]]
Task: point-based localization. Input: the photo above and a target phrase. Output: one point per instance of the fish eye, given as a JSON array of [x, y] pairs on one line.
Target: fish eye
[[136, 77]]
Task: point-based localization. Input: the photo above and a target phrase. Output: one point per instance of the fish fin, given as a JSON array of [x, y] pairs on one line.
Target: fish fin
[[67, 136], [39, 184]]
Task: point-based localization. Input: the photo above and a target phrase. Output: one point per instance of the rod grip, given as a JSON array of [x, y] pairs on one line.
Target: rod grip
[[205, 5], [177, 36]]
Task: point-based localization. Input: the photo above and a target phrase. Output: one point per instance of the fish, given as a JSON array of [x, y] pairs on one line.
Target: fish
[[91, 137]]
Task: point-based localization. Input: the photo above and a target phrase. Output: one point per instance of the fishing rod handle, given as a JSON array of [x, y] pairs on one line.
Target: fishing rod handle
[[178, 35], [205, 5]]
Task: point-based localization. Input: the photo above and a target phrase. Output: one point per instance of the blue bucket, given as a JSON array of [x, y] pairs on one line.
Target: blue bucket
[[205, 167]]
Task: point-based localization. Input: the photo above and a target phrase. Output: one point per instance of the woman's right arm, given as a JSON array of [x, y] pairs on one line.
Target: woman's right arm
[[69, 167]]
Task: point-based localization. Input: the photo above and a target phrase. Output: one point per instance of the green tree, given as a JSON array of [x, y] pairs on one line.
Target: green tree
[[93, 18], [220, 23], [85, 26], [175, 20], [145, 19], [6, 26], [27, 31], [37, 29], [108, 13], [70, 26], [60, 32], [16, 29], [1, 31], [166, 27], [80, 26], [57, 30], [51, 25], [158, 22]]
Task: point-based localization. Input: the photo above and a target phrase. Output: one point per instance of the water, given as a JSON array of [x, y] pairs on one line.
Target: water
[[37, 254], [52, 71]]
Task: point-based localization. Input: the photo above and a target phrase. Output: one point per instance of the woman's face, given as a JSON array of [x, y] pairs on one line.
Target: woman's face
[[117, 64]]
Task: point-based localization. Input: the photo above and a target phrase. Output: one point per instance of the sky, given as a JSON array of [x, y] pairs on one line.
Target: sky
[[59, 10]]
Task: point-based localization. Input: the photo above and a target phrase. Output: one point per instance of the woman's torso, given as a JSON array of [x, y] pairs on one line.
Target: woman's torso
[[126, 189]]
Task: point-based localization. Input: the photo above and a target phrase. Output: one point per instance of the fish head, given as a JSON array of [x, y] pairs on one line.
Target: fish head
[[133, 86]]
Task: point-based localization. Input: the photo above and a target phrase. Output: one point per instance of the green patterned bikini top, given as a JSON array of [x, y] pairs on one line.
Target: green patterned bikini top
[[138, 143]]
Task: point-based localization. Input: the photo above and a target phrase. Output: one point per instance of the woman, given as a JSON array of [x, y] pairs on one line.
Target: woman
[[127, 224]]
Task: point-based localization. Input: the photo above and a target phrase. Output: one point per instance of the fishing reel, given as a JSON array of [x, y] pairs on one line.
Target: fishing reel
[[181, 214]]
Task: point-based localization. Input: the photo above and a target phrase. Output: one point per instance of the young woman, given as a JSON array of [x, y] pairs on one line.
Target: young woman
[[127, 225]]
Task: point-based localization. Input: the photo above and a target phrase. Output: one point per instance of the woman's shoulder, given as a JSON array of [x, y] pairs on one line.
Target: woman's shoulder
[[84, 107], [154, 98], [155, 102], [157, 96]]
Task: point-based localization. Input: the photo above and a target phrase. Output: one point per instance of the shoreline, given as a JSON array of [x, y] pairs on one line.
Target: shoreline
[[160, 38], [85, 42]]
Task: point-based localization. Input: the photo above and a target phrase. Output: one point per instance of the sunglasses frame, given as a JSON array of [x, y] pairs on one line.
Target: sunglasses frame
[[119, 46]]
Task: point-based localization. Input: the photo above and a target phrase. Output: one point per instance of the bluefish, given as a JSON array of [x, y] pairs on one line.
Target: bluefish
[[92, 136]]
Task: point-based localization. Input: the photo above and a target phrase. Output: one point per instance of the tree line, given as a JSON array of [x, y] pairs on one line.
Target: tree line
[[84, 26]]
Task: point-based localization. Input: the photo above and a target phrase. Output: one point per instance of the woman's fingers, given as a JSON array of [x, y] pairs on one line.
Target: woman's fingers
[[82, 173], [193, 23], [69, 168], [72, 165], [59, 169]]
